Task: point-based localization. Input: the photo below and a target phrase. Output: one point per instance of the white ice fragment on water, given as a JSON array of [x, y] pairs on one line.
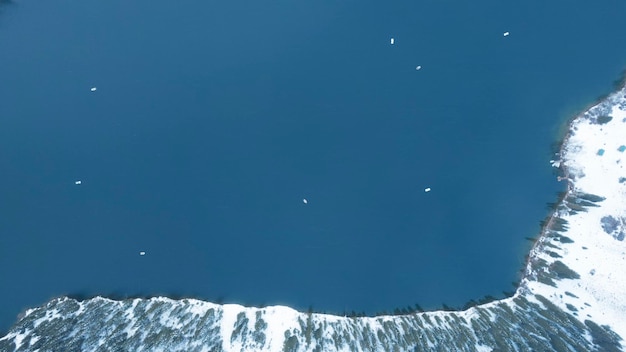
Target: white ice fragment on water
[[506, 34], [418, 67], [305, 201], [392, 41], [142, 253], [78, 182], [93, 89], [427, 189]]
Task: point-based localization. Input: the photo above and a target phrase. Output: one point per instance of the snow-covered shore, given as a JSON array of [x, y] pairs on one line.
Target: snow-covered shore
[[594, 213], [572, 296]]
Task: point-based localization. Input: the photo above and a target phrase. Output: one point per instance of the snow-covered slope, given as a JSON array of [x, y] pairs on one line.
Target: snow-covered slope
[[572, 297]]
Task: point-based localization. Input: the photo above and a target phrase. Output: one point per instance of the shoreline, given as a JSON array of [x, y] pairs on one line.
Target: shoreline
[[563, 175], [569, 297], [526, 269]]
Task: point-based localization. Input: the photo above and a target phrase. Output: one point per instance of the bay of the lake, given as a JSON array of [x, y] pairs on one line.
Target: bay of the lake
[[213, 121]]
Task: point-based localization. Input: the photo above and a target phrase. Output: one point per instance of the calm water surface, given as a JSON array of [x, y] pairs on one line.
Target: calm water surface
[[213, 120]]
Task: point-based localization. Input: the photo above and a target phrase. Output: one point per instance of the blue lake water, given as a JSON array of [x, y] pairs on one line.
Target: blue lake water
[[212, 121]]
